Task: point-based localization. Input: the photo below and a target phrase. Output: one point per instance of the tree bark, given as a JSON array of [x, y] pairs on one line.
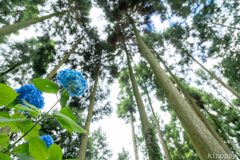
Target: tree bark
[[197, 110], [83, 143], [219, 80], [203, 141], [11, 69], [152, 146], [165, 148], [134, 138], [19, 25], [53, 72]]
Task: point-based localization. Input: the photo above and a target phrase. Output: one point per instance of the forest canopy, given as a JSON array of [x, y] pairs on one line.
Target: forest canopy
[[119, 79]]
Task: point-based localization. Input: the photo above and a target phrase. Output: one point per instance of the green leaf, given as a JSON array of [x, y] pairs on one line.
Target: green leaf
[[2, 119], [68, 112], [3, 138], [7, 94], [55, 152], [4, 115], [68, 123], [4, 157], [38, 148], [14, 126], [24, 157], [65, 98], [13, 103], [46, 86], [33, 112], [23, 148], [32, 134], [29, 105]]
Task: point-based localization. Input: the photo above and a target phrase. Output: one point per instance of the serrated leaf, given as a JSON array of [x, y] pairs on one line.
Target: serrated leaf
[[68, 123], [24, 157], [13, 103], [65, 98], [4, 157], [33, 112], [46, 86], [38, 148], [23, 148], [3, 138], [7, 94], [55, 152]]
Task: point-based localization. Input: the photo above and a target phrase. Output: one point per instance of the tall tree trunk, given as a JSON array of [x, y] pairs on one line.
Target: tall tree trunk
[[196, 109], [225, 26], [219, 80], [19, 25], [12, 68], [203, 141], [53, 72], [165, 148], [84, 139], [152, 146], [134, 138]]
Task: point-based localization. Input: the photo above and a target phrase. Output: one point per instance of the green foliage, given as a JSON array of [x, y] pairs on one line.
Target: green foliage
[[24, 157], [68, 123], [4, 140], [45, 85], [55, 152], [7, 94], [31, 133], [4, 156], [23, 148], [124, 155], [64, 98], [33, 112], [38, 148]]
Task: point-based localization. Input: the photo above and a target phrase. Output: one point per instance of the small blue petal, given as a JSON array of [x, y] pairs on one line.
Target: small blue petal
[[47, 139], [32, 95], [73, 81]]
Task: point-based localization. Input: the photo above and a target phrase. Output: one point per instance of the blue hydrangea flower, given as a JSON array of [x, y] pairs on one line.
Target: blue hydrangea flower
[[32, 95], [47, 139], [73, 81]]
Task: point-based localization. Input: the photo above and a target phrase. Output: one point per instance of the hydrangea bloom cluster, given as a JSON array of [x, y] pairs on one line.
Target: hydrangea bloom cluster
[[73, 81], [47, 139], [32, 95]]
